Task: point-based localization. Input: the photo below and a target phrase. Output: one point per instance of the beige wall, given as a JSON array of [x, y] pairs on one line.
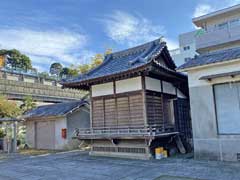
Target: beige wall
[[102, 89], [153, 84], [132, 84], [168, 88]]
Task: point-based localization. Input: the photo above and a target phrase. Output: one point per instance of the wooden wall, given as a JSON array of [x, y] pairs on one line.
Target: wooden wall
[[154, 103], [133, 103], [120, 110]]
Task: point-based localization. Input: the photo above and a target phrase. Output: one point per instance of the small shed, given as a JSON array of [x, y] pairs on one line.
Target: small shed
[[52, 126]]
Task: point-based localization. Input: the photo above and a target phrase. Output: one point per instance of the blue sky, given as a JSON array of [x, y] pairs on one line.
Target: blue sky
[[72, 31]]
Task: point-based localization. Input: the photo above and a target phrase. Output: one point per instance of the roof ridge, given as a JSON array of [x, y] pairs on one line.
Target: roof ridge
[[109, 57], [68, 102], [134, 49]]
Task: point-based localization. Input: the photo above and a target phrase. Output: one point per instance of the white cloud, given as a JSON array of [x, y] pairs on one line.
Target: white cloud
[[45, 47], [171, 44], [202, 9], [128, 29], [213, 5]]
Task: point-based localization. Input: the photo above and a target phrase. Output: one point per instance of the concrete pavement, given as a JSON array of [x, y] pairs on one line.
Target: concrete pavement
[[80, 166]]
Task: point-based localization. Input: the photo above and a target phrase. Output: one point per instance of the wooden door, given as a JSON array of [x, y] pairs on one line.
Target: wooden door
[[45, 135]]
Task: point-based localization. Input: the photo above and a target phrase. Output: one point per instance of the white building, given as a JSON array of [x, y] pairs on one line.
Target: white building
[[214, 86], [216, 31], [187, 48]]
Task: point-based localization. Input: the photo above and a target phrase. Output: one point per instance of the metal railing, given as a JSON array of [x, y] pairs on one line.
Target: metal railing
[[123, 131]]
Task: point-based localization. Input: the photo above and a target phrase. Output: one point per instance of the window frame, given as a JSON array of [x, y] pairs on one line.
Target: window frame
[[234, 22], [186, 48], [215, 109]]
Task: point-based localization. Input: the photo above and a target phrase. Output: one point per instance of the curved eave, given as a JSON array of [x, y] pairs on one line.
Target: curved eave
[[146, 68], [85, 84]]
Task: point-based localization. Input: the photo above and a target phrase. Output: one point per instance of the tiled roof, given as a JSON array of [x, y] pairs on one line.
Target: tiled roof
[[59, 109], [213, 57], [126, 60]]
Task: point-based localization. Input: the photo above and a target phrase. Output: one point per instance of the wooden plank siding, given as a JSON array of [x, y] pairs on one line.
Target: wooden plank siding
[[97, 113], [136, 110], [118, 111], [154, 103], [110, 117]]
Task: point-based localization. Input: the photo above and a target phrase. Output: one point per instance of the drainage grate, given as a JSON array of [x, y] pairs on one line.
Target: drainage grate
[[120, 149], [104, 149], [132, 150]]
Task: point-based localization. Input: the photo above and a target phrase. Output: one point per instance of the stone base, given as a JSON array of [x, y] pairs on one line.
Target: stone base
[[122, 155]]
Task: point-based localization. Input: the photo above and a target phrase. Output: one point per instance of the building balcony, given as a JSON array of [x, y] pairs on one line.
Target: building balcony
[[219, 37], [124, 132]]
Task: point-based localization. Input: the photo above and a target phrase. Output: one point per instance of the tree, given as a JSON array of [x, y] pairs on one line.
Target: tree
[[84, 68], [64, 72], [55, 68], [97, 60], [68, 72], [16, 59], [8, 108], [28, 104], [43, 75]]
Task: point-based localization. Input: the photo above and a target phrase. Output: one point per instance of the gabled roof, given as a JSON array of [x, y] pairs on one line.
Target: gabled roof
[[212, 57], [59, 109], [126, 60]]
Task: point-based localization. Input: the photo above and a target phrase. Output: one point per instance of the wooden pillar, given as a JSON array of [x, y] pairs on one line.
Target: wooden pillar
[[115, 101], [91, 107], [144, 100]]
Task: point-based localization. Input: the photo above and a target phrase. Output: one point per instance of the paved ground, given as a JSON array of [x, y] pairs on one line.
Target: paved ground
[[79, 166]]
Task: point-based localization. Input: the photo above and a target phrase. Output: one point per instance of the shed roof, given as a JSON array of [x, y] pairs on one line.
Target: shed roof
[[126, 60], [59, 109], [212, 57]]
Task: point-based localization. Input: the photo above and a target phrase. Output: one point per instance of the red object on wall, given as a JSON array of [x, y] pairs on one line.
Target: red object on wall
[[64, 133]]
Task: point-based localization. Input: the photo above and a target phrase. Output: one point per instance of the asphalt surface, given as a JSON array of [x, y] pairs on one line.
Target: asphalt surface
[[80, 166]]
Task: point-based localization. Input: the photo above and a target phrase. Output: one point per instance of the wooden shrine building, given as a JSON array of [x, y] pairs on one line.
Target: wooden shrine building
[[137, 99]]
